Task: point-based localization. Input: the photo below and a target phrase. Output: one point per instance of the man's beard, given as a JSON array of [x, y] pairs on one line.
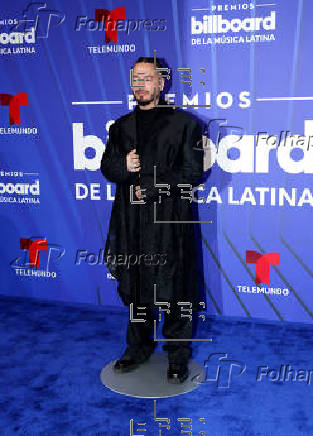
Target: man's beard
[[145, 102]]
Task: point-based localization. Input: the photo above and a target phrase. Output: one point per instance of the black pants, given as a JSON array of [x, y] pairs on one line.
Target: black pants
[[140, 338]]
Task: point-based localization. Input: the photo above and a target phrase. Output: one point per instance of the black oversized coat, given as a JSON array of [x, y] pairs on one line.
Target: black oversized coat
[[169, 257]]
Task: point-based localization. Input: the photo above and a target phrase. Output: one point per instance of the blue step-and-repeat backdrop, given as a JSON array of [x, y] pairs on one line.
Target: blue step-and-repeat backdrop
[[244, 66]]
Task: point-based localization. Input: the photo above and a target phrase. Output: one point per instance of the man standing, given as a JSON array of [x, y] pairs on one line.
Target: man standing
[[151, 223]]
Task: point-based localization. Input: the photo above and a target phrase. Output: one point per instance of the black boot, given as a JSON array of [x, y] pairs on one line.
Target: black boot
[[177, 372], [131, 360], [125, 365]]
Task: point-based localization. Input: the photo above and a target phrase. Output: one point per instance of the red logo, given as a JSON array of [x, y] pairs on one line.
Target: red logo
[[33, 248], [110, 21], [263, 262], [14, 102]]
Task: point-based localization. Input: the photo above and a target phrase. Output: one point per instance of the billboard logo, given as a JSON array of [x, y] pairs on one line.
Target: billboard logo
[[18, 37], [263, 263], [19, 192], [14, 102]]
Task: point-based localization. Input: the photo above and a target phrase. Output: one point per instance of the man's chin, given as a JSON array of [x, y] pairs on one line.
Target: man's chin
[[144, 102]]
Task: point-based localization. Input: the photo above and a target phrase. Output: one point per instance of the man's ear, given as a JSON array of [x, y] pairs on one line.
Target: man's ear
[[161, 82]]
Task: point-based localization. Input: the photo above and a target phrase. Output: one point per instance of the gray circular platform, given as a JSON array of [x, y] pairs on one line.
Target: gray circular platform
[[149, 380]]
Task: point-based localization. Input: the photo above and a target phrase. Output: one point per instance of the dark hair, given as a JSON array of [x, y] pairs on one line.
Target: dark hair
[[148, 60]]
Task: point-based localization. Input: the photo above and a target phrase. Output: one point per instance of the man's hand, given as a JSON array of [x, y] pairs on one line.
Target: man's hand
[[132, 161], [138, 193]]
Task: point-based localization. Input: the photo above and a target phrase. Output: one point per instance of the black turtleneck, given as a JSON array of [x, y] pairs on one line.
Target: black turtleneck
[[144, 121]]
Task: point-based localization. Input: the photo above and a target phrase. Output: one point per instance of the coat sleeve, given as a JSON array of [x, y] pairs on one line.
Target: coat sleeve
[[113, 161], [189, 170]]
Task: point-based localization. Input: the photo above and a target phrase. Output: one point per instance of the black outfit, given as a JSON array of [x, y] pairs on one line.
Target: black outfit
[[167, 138], [140, 336]]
